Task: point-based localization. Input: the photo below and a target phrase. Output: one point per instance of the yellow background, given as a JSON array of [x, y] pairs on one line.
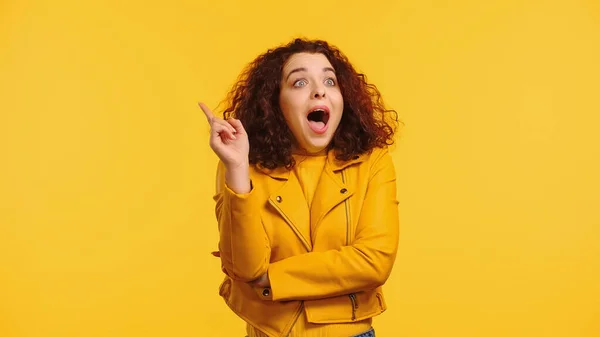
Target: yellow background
[[106, 174]]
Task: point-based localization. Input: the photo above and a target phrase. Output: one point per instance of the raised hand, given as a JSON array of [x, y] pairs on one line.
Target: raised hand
[[228, 139]]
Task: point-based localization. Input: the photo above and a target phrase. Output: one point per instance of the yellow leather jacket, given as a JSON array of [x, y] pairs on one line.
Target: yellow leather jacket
[[330, 260]]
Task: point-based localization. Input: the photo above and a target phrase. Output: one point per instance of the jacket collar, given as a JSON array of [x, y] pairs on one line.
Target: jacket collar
[[332, 163]]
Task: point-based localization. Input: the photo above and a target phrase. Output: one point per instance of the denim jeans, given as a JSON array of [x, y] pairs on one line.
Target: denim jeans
[[370, 333]]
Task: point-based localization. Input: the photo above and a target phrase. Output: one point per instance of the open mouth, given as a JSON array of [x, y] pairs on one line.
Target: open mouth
[[318, 118]]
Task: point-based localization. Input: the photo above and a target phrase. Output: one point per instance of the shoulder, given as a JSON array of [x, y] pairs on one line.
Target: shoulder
[[380, 162], [378, 156], [378, 152]]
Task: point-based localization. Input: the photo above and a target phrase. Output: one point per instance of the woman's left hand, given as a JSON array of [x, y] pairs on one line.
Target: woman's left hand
[[261, 282]]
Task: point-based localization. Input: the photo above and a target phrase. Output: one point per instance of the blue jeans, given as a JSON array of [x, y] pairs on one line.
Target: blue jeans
[[370, 333]]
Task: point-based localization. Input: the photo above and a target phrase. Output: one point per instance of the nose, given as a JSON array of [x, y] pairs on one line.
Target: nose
[[318, 91]]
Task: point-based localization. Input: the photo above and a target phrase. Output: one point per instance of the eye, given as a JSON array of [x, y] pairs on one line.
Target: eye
[[330, 81], [300, 83]]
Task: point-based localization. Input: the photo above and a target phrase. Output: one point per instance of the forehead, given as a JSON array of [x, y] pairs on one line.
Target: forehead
[[310, 61]]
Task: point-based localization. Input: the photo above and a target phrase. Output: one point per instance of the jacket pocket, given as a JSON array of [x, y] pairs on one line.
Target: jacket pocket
[[346, 308]]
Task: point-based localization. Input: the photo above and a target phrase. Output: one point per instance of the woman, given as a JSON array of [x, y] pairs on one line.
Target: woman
[[306, 194]]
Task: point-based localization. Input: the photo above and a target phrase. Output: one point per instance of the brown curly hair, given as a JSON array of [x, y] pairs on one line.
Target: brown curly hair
[[254, 99]]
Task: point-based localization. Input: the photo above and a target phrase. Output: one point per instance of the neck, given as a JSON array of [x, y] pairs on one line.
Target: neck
[[303, 152]]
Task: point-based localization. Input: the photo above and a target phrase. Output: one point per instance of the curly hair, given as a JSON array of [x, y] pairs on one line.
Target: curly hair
[[254, 100]]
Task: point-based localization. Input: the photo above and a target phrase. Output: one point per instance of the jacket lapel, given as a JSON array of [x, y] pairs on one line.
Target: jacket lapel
[[330, 192], [333, 188], [289, 202]]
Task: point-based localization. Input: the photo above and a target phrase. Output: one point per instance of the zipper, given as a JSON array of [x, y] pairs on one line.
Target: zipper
[[352, 296], [354, 305], [347, 213]]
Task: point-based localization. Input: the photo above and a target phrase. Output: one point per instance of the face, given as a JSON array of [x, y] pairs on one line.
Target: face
[[311, 101]]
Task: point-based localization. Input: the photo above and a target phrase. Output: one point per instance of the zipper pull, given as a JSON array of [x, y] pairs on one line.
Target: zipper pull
[[354, 305]]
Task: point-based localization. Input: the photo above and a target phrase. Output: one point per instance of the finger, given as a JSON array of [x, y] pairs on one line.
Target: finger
[[237, 125], [207, 112], [226, 124], [222, 130]]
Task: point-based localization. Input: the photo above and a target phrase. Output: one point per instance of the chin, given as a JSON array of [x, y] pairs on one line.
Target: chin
[[315, 144], [316, 148]]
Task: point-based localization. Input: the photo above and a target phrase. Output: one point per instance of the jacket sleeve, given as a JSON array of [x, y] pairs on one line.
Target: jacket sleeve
[[243, 243], [365, 264]]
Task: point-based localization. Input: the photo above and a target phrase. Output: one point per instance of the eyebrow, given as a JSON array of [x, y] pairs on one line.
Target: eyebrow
[[326, 69]]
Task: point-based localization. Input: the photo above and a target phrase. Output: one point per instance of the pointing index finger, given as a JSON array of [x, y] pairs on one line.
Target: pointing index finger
[[207, 112]]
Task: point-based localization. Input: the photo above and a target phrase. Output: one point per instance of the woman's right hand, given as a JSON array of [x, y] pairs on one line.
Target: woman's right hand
[[228, 139]]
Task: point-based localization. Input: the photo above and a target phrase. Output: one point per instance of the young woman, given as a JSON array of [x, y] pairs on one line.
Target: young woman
[[306, 194]]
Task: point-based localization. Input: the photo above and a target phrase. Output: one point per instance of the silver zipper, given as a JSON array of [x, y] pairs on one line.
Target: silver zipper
[[352, 296], [347, 207], [354, 305]]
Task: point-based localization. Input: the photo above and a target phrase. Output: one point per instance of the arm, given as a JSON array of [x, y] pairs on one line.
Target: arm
[[365, 264], [243, 243]]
